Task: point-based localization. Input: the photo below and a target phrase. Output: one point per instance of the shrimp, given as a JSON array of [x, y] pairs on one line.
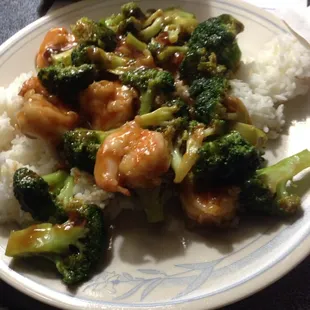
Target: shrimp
[[213, 207], [55, 41], [33, 84], [108, 104], [39, 118], [132, 157]]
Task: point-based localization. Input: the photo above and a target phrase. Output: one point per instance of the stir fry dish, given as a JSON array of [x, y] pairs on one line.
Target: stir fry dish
[[142, 103]]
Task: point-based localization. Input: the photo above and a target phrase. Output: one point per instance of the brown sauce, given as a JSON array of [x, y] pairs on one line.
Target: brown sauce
[[57, 40]]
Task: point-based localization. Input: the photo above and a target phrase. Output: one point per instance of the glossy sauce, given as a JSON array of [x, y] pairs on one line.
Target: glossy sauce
[[55, 41], [217, 206], [140, 59]]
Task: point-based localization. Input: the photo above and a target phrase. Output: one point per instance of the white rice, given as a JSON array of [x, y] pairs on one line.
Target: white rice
[[262, 110], [86, 190], [18, 151], [280, 72]]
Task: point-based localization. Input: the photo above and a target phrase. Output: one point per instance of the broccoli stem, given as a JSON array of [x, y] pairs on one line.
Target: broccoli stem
[[191, 155], [153, 17], [250, 133], [110, 61], [182, 165], [66, 192], [102, 135], [157, 117], [152, 202], [134, 42], [176, 159], [44, 238], [148, 33], [279, 174], [169, 51], [56, 180], [154, 213], [146, 99]]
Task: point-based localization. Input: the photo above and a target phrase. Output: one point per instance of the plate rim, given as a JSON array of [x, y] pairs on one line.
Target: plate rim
[[253, 285]]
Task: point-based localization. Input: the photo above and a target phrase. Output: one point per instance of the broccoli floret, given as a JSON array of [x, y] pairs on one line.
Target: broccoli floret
[[218, 36], [266, 191], [227, 160], [67, 82], [62, 59], [89, 32], [165, 115], [150, 82], [186, 146], [130, 19], [132, 9], [99, 58], [43, 197], [80, 147], [155, 47], [209, 95], [74, 246], [185, 22]]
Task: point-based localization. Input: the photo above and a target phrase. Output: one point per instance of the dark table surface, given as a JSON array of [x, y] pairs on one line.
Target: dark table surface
[[292, 292]]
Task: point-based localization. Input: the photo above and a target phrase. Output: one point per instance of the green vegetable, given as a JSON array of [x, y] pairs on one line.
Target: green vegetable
[[250, 133], [151, 31], [67, 82], [89, 32], [165, 115], [185, 21], [100, 59], [130, 19], [63, 59], [74, 246], [227, 160], [169, 51], [154, 200], [215, 37], [131, 40], [150, 82], [81, 146], [185, 149], [132, 9], [266, 191], [209, 95], [43, 197]]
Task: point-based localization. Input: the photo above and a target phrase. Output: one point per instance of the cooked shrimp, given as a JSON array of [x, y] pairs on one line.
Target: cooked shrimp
[[34, 85], [213, 207], [55, 41], [108, 104], [133, 157], [39, 118]]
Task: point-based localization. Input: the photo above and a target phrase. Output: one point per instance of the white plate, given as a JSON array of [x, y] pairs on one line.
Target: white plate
[[175, 268]]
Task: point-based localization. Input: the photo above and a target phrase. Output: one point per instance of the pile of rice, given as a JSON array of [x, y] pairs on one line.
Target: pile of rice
[[279, 73]]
